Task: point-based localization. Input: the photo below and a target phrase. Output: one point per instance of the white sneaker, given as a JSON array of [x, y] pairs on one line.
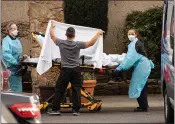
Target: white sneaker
[[76, 113], [54, 112]]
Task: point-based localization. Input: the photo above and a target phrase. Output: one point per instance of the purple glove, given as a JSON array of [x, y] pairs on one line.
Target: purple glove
[[116, 73], [116, 70]]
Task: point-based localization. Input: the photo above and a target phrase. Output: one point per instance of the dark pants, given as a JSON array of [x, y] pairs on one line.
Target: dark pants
[[67, 75], [142, 100]]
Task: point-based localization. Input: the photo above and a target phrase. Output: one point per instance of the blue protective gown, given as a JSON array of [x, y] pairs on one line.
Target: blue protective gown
[[142, 69], [11, 50]]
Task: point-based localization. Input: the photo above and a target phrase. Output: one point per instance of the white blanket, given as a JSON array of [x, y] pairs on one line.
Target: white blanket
[[112, 59], [107, 60], [50, 51]]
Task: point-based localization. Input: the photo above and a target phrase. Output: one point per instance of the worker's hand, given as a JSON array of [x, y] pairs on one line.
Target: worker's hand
[[100, 32], [18, 66], [116, 70], [116, 73], [52, 25], [25, 56], [52, 34], [21, 58]]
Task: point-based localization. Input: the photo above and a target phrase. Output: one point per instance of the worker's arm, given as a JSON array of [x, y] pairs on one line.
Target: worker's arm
[[7, 53], [94, 39], [52, 34]]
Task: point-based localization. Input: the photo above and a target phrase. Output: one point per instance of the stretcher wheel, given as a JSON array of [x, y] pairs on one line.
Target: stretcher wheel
[[49, 107], [98, 109], [93, 111]]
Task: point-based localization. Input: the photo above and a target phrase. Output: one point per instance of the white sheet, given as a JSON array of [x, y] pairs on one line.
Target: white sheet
[[112, 59], [50, 51], [107, 60]]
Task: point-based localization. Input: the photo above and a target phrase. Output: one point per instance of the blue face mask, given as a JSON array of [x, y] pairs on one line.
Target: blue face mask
[[131, 37]]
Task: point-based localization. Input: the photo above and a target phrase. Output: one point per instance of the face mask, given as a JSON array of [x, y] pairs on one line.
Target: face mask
[[15, 33], [131, 37]]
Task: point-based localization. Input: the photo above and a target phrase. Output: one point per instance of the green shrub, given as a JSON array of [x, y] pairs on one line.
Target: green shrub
[[149, 25], [90, 13], [88, 76]]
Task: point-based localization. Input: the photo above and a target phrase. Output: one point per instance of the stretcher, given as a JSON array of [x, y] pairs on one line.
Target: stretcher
[[92, 104]]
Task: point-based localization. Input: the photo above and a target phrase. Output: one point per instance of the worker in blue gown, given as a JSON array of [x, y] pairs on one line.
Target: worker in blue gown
[[136, 57], [11, 51]]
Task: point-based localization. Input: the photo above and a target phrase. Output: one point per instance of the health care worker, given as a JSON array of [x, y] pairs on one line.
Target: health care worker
[[11, 51], [136, 57]]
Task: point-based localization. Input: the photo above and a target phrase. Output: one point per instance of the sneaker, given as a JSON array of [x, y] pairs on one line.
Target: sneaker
[[54, 112], [76, 113]]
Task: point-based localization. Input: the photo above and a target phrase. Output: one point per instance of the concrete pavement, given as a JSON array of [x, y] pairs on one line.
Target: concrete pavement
[[115, 109], [124, 101]]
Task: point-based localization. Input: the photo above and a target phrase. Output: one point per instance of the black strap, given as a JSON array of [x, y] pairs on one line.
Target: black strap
[[139, 46]]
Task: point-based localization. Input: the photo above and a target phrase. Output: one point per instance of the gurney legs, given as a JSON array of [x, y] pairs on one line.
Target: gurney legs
[[92, 104]]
